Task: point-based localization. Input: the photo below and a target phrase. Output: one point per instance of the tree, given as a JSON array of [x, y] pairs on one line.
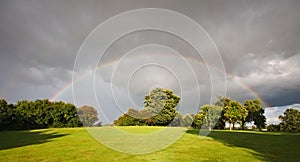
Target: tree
[[255, 114], [221, 102], [290, 121], [178, 121], [161, 102], [198, 120], [259, 117], [6, 114], [37, 114], [273, 128], [134, 117], [125, 120], [188, 120], [212, 114], [234, 112], [87, 115], [45, 114]]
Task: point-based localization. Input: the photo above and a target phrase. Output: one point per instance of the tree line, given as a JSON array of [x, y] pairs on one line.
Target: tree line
[[40, 114], [159, 110]]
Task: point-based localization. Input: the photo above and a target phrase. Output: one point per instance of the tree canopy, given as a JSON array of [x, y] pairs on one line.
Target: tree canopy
[[37, 114], [211, 115], [255, 113], [87, 115], [159, 110], [234, 112], [290, 121]]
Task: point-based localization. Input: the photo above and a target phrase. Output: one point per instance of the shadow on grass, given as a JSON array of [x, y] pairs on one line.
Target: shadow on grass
[[13, 139], [266, 145]]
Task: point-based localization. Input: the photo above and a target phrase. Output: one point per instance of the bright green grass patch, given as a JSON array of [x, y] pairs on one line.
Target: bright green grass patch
[[141, 130], [144, 140], [76, 144]]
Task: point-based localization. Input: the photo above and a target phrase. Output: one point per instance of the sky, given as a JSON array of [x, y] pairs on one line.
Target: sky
[[109, 54]]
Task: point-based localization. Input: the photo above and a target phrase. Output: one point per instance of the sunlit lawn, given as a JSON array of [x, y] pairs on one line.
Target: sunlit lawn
[[76, 144]]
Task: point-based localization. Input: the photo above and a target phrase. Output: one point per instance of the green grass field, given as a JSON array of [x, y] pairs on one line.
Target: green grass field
[[76, 144]]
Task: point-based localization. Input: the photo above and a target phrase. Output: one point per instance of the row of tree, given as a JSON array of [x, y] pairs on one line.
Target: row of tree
[[290, 122], [44, 114], [159, 109], [231, 111]]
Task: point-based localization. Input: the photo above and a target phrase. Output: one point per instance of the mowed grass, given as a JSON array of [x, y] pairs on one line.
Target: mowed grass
[[76, 144]]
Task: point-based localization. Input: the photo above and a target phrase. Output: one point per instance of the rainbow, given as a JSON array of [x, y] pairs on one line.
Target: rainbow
[[228, 75]]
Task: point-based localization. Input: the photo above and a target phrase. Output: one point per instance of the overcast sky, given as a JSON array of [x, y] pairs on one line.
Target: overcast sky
[[258, 42]]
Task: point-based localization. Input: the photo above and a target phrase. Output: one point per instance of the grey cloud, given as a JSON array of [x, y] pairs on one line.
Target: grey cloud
[[258, 41]]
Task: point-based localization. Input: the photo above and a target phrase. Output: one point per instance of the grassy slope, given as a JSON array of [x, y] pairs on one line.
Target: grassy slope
[[76, 144]]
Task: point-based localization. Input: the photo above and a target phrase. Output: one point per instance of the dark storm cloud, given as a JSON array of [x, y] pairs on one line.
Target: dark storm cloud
[[258, 41]]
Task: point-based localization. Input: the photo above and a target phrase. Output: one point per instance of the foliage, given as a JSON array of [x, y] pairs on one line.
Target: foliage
[[198, 121], [234, 112], [87, 115], [273, 128], [221, 102], [211, 114], [5, 112], [255, 114], [134, 117], [159, 110], [183, 120], [37, 114], [178, 121], [290, 121], [188, 120], [161, 102]]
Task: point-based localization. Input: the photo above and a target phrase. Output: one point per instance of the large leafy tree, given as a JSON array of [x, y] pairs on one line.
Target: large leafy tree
[[234, 112], [255, 113], [221, 102], [290, 121], [87, 115], [212, 114], [161, 102]]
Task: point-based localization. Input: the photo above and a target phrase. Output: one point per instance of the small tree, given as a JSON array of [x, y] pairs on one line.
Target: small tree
[[87, 115], [188, 120], [198, 120], [178, 121]]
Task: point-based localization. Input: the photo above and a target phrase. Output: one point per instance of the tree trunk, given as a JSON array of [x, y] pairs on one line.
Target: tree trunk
[[243, 124], [259, 128], [230, 126], [209, 126]]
